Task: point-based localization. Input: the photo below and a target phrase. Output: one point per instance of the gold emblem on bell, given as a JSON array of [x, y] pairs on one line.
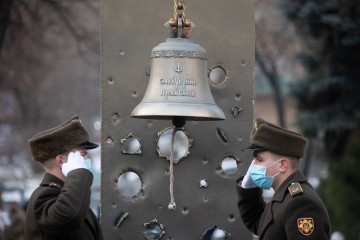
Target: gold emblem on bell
[[178, 84]]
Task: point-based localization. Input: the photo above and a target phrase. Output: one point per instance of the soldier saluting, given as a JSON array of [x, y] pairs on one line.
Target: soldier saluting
[[59, 207], [295, 211]]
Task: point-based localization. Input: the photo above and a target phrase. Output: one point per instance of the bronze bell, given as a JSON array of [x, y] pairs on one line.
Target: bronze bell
[[178, 84]]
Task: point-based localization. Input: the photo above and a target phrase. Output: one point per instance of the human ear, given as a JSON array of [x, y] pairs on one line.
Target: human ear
[[284, 164], [59, 161]]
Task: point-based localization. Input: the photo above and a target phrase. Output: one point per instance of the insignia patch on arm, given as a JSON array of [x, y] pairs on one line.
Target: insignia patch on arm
[[306, 226], [295, 189]]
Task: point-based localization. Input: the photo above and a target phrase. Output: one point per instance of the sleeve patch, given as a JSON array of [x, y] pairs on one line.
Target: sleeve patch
[[306, 226]]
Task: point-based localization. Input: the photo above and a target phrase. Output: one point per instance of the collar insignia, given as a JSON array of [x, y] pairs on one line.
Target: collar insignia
[[306, 226]]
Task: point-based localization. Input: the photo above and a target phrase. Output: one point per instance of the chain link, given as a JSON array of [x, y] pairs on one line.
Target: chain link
[[179, 6]]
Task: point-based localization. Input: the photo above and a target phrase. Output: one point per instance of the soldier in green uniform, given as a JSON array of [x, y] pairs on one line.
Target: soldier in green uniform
[[60, 207], [295, 211]]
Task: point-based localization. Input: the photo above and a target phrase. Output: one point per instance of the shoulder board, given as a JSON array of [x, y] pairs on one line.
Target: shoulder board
[[295, 189], [53, 185]]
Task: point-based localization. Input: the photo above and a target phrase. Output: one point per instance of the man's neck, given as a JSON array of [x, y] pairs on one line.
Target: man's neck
[[280, 179], [57, 173]]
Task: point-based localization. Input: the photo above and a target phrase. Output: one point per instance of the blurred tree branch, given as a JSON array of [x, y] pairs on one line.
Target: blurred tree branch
[[272, 76], [39, 41], [37, 32], [275, 44], [5, 7]]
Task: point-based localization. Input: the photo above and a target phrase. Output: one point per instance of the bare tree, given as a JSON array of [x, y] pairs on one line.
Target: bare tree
[[5, 7], [274, 48], [49, 61]]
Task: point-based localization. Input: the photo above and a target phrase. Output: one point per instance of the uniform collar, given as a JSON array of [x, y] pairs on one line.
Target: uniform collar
[[279, 194], [50, 179]]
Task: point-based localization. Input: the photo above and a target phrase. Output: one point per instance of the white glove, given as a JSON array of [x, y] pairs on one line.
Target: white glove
[[247, 182], [74, 161]]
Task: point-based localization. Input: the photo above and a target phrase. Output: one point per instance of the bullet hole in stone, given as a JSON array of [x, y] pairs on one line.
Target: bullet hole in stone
[[129, 184]]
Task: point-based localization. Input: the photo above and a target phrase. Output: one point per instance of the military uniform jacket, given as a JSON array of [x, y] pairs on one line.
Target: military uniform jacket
[[59, 211], [295, 211]]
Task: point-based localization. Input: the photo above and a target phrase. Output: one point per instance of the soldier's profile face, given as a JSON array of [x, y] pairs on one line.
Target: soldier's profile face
[[266, 158], [263, 158]]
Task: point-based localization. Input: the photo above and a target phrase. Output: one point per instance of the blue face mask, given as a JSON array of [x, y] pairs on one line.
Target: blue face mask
[[88, 164], [258, 175]]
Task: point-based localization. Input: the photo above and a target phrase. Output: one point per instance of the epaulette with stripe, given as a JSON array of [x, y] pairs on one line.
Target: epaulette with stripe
[[295, 189], [52, 184]]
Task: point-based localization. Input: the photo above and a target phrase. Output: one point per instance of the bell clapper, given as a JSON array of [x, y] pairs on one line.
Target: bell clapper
[[179, 123]]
